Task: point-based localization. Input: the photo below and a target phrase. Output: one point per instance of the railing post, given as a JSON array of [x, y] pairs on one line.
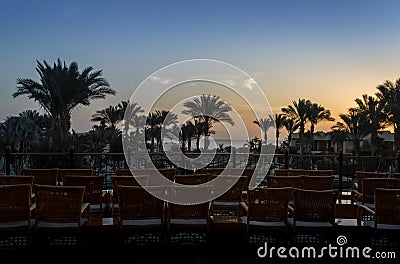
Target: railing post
[[286, 159], [233, 157], [340, 170], [71, 156], [8, 160], [398, 161]]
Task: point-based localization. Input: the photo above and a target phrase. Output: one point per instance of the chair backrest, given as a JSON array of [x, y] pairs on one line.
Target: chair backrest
[[316, 182], [15, 179], [387, 206], [396, 175], [15, 202], [137, 203], [168, 173], [74, 172], [192, 179], [318, 172], [360, 175], [126, 181], [268, 204], [60, 204], [314, 206], [283, 181], [234, 194], [43, 176], [289, 172], [93, 187], [370, 184]]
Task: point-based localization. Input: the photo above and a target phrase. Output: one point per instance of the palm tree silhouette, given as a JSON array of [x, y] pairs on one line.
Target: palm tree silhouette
[[60, 90], [299, 112], [279, 123], [291, 126], [265, 124], [316, 114], [209, 109]]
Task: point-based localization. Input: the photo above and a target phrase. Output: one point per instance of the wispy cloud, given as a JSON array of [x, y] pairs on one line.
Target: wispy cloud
[[160, 80], [250, 83]]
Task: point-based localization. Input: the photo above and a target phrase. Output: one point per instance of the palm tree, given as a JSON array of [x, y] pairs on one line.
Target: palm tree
[[188, 131], [339, 134], [210, 109], [279, 124], [372, 111], [299, 112], [62, 88], [130, 114], [291, 126], [265, 124], [354, 124], [389, 94], [316, 114]]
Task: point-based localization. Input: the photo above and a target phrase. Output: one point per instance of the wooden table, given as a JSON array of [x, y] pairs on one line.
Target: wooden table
[[228, 229]]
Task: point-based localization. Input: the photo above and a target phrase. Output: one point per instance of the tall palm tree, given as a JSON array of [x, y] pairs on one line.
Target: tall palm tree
[[279, 124], [316, 114], [389, 94], [355, 125], [265, 124], [210, 109], [339, 134], [62, 88], [372, 111], [188, 131], [299, 112], [291, 126], [130, 113]]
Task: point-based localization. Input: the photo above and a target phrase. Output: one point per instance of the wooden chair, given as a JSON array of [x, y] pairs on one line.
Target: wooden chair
[[228, 203], [141, 216], [15, 215], [316, 182], [187, 223], [385, 217], [124, 181], [267, 215], [318, 172], [93, 195], [313, 216], [169, 173], [194, 179], [15, 179], [283, 181], [366, 196], [289, 172], [74, 172], [43, 176], [396, 175], [360, 175], [58, 215]]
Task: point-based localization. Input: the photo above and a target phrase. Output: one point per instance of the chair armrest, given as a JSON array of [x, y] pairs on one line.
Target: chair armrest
[[356, 195], [360, 210], [33, 207], [86, 207], [244, 206], [290, 209]]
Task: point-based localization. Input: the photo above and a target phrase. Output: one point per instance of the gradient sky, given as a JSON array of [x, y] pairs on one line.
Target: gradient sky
[[330, 52]]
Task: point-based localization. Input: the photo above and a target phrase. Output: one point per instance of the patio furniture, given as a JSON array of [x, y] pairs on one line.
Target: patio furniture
[[289, 172], [15, 215], [43, 176], [318, 172], [386, 218], [360, 175], [93, 191], [228, 203], [267, 215], [187, 224], [316, 182], [313, 216], [74, 172], [367, 196], [15, 179], [194, 179], [141, 216], [58, 215]]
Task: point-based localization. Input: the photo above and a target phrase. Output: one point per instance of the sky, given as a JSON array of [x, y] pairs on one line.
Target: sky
[[330, 52]]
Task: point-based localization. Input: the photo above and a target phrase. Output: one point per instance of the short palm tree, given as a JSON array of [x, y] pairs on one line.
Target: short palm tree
[[279, 124], [60, 90], [316, 114], [291, 126], [210, 109], [265, 124]]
